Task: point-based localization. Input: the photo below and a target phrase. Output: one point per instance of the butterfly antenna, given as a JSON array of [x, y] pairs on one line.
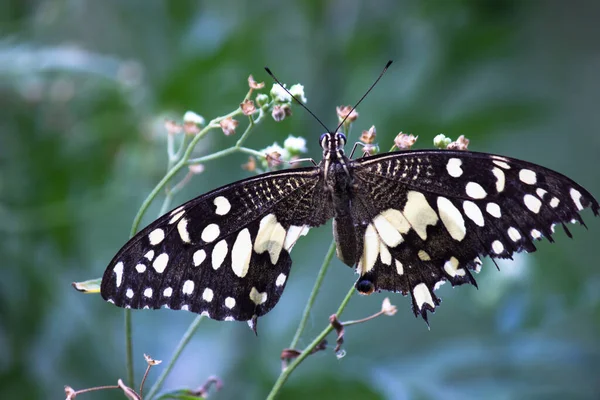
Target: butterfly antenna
[[295, 98], [365, 95]]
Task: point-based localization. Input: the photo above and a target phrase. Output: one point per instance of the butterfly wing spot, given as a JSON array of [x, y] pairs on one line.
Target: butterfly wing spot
[[185, 307], [474, 213], [370, 250], [422, 295], [129, 293], [541, 192], [576, 196], [241, 253], [156, 236], [527, 176], [207, 295], [149, 255], [168, 292], [475, 191], [188, 287], [554, 202], [210, 233], [536, 234], [500, 179], [423, 255], [218, 254], [280, 280], [118, 269], [229, 319], [453, 167], [257, 297], [387, 232], [140, 268], [293, 234], [229, 302], [532, 203], [223, 205], [176, 217], [160, 263], [451, 267], [514, 234], [501, 164], [384, 253], [451, 218], [148, 293], [419, 213], [199, 257], [494, 210], [182, 229], [270, 237], [399, 267], [497, 247]]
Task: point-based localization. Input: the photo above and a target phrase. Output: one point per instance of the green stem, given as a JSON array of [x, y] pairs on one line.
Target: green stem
[[313, 294], [129, 348], [307, 351], [180, 346]]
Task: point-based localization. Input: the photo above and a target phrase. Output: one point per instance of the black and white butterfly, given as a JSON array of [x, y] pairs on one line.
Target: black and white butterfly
[[407, 221]]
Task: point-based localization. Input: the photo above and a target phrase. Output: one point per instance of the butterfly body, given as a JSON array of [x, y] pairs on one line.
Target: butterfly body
[[407, 221]]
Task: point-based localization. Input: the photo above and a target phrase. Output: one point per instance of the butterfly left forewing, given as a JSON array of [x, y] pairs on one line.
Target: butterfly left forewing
[[434, 213], [224, 254]]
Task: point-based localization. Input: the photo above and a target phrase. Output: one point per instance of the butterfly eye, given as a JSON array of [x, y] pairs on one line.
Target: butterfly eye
[[341, 138], [324, 139]]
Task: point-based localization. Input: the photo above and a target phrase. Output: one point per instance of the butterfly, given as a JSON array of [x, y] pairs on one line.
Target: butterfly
[[406, 221]]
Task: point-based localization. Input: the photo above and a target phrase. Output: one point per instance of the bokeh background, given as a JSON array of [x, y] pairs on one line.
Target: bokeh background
[[85, 87]]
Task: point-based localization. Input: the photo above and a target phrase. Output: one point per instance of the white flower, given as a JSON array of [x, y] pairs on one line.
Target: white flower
[[193, 118], [276, 148], [295, 144], [279, 94], [298, 91]]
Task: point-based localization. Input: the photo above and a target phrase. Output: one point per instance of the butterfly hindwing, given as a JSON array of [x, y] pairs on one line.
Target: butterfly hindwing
[[432, 214], [224, 254]]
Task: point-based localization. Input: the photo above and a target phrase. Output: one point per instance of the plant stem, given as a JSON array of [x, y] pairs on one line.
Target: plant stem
[[129, 348], [313, 294], [307, 351], [180, 346]]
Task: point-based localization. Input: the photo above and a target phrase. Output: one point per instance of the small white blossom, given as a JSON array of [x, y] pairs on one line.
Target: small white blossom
[[193, 118], [295, 144], [298, 91], [279, 94]]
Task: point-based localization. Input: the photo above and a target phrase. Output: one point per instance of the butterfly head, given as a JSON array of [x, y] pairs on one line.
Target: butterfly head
[[332, 144]]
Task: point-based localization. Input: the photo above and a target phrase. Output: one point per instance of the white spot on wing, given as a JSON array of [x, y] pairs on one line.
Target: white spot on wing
[[451, 218], [473, 212], [198, 257], [497, 246], [397, 220], [176, 217], [451, 267], [370, 249], [210, 233], [129, 293], [185, 307], [493, 209], [183, 232], [384, 254], [223, 205], [532, 202], [168, 292], [500, 179], [140, 268], [148, 292], [149, 255], [423, 255], [156, 236], [527, 176], [280, 280], [475, 191], [188, 287], [453, 167], [554, 202], [576, 196], [229, 302], [501, 164], [536, 234], [387, 232], [541, 192], [160, 263], [218, 254], [419, 213], [257, 297], [293, 234], [241, 253], [207, 295], [229, 318], [118, 269], [399, 267], [514, 234], [422, 295]]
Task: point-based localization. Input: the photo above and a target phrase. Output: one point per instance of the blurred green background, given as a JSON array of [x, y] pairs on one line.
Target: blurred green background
[[86, 85]]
